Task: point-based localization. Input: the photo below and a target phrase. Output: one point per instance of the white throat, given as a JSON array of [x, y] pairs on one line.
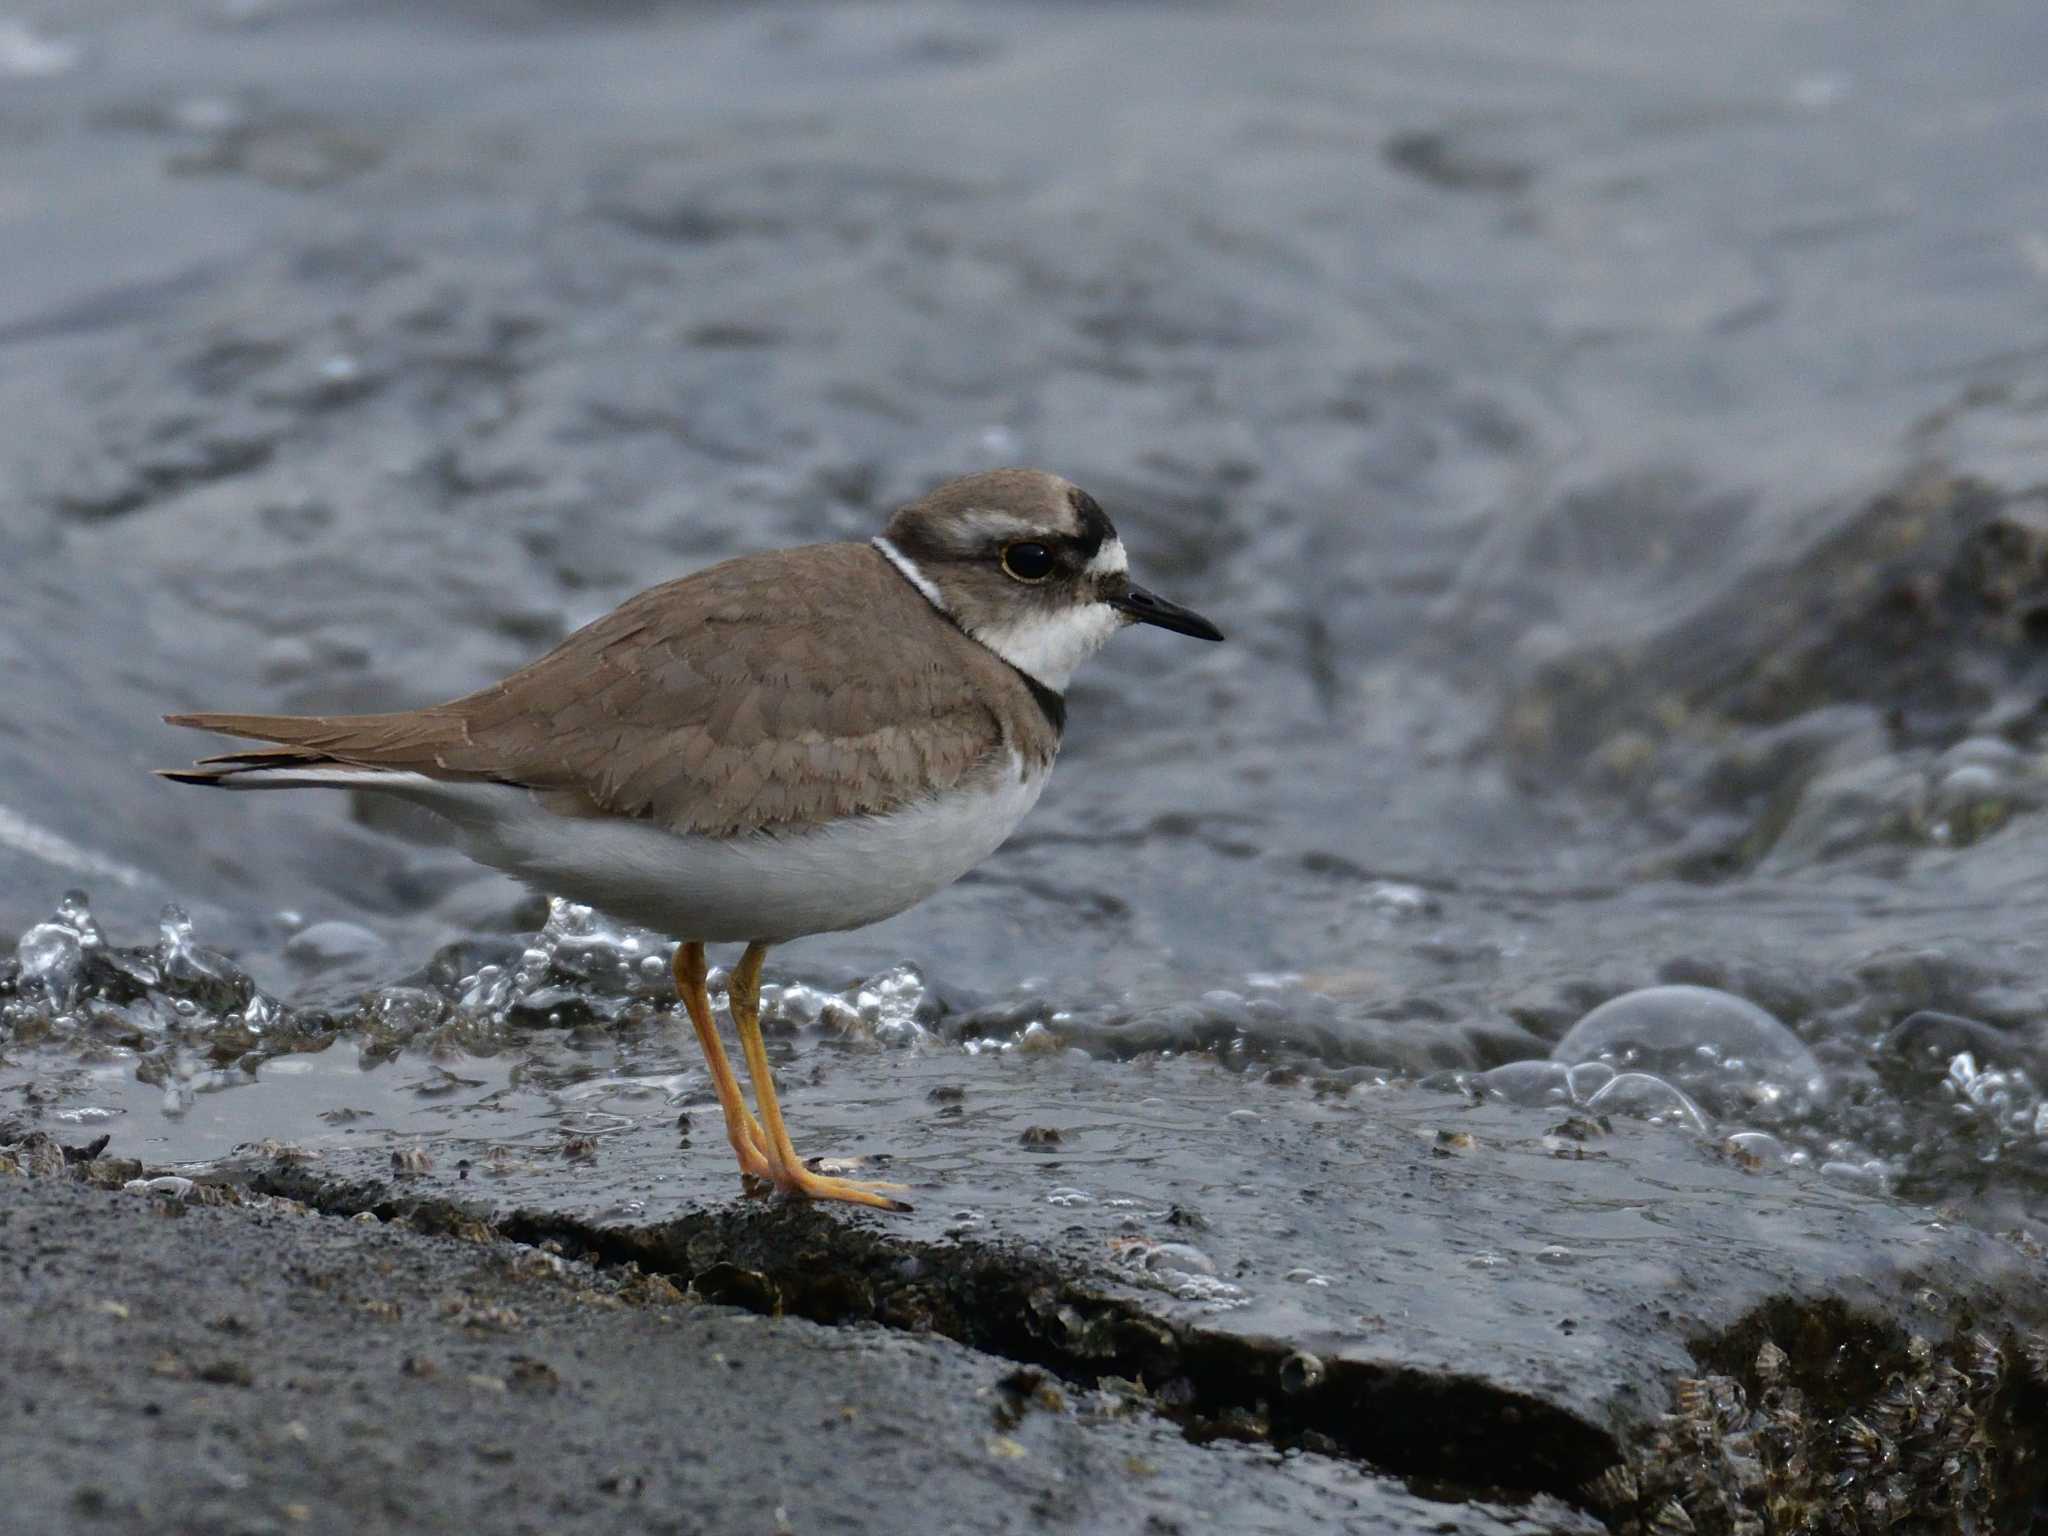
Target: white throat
[[1045, 647]]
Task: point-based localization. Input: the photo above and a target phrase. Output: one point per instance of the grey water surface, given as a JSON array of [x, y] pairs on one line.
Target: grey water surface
[[1612, 439]]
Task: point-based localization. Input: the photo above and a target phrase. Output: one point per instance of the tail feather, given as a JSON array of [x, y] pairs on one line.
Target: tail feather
[[313, 751], [328, 735], [406, 754], [267, 764]]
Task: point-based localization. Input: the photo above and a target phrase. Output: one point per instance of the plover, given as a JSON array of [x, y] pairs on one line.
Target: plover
[[789, 743]]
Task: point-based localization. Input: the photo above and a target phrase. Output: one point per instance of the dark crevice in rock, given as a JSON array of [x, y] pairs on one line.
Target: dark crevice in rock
[[1460, 1437]]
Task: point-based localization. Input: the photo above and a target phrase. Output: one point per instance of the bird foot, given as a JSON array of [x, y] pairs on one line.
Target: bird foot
[[800, 1182]]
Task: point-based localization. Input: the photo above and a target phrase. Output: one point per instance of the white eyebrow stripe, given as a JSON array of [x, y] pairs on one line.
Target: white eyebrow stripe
[[911, 573], [1110, 560], [994, 523]]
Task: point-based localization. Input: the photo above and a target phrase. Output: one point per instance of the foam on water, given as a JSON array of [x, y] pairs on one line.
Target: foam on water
[[588, 1012]]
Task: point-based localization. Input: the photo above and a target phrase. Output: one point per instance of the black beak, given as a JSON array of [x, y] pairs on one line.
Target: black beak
[[1145, 608]]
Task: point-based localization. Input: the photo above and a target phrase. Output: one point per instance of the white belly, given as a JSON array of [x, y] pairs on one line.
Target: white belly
[[721, 890]]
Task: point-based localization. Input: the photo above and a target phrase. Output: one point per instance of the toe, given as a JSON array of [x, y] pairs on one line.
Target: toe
[[812, 1186]]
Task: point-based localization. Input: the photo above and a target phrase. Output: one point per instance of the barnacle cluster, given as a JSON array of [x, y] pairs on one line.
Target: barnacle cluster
[[1924, 1439]]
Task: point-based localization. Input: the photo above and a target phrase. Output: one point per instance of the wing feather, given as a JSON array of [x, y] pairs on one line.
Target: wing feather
[[774, 690]]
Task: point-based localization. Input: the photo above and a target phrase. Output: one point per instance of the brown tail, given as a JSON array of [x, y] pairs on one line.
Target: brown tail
[[323, 734], [306, 742]]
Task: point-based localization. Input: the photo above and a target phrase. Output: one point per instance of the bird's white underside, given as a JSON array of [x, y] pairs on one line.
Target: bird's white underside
[[847, 874]]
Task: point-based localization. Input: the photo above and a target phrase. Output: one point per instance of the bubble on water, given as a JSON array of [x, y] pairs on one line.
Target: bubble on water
[[1184, 1258], [1588, 1078], [52, 962], [174, 927], [1997, 1107], [174, 1185], [88, 1114], [189, 965], [1870, 1175], [1303, 1276], [1761, 1145], [488, 993], [888, 1007], [1526, 1082], [580, 943], [75, 913], [1067, 1196], [1648, 1097], [799, 1005], [1181, 1269], [402, 1012], [1214, 1294], [1715, 1046], [1398, 900], [138, 966]]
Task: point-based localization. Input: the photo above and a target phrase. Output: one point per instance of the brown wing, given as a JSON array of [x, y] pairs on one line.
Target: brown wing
[[777, 689]]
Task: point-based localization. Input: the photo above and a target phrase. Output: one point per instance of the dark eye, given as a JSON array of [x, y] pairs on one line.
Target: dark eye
[[1028, 562]]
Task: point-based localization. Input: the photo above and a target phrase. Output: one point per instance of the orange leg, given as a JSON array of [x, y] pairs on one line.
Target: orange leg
[[789, 1173], [741, 1129]]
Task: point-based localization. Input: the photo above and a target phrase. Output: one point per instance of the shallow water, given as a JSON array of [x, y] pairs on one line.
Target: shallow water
[[1516, 390]]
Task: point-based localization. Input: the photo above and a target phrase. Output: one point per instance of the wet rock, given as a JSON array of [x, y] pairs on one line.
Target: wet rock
[[1849, 683], [534, 1415], [1932, 1038], [1499, 1313]]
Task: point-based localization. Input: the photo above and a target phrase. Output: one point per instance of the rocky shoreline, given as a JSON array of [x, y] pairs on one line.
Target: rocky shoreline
[[1500, 1317]]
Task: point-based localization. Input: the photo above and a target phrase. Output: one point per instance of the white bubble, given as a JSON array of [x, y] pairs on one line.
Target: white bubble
[[1648, 1097], [52, 964], [1526, 1082], [1721, 1049]]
